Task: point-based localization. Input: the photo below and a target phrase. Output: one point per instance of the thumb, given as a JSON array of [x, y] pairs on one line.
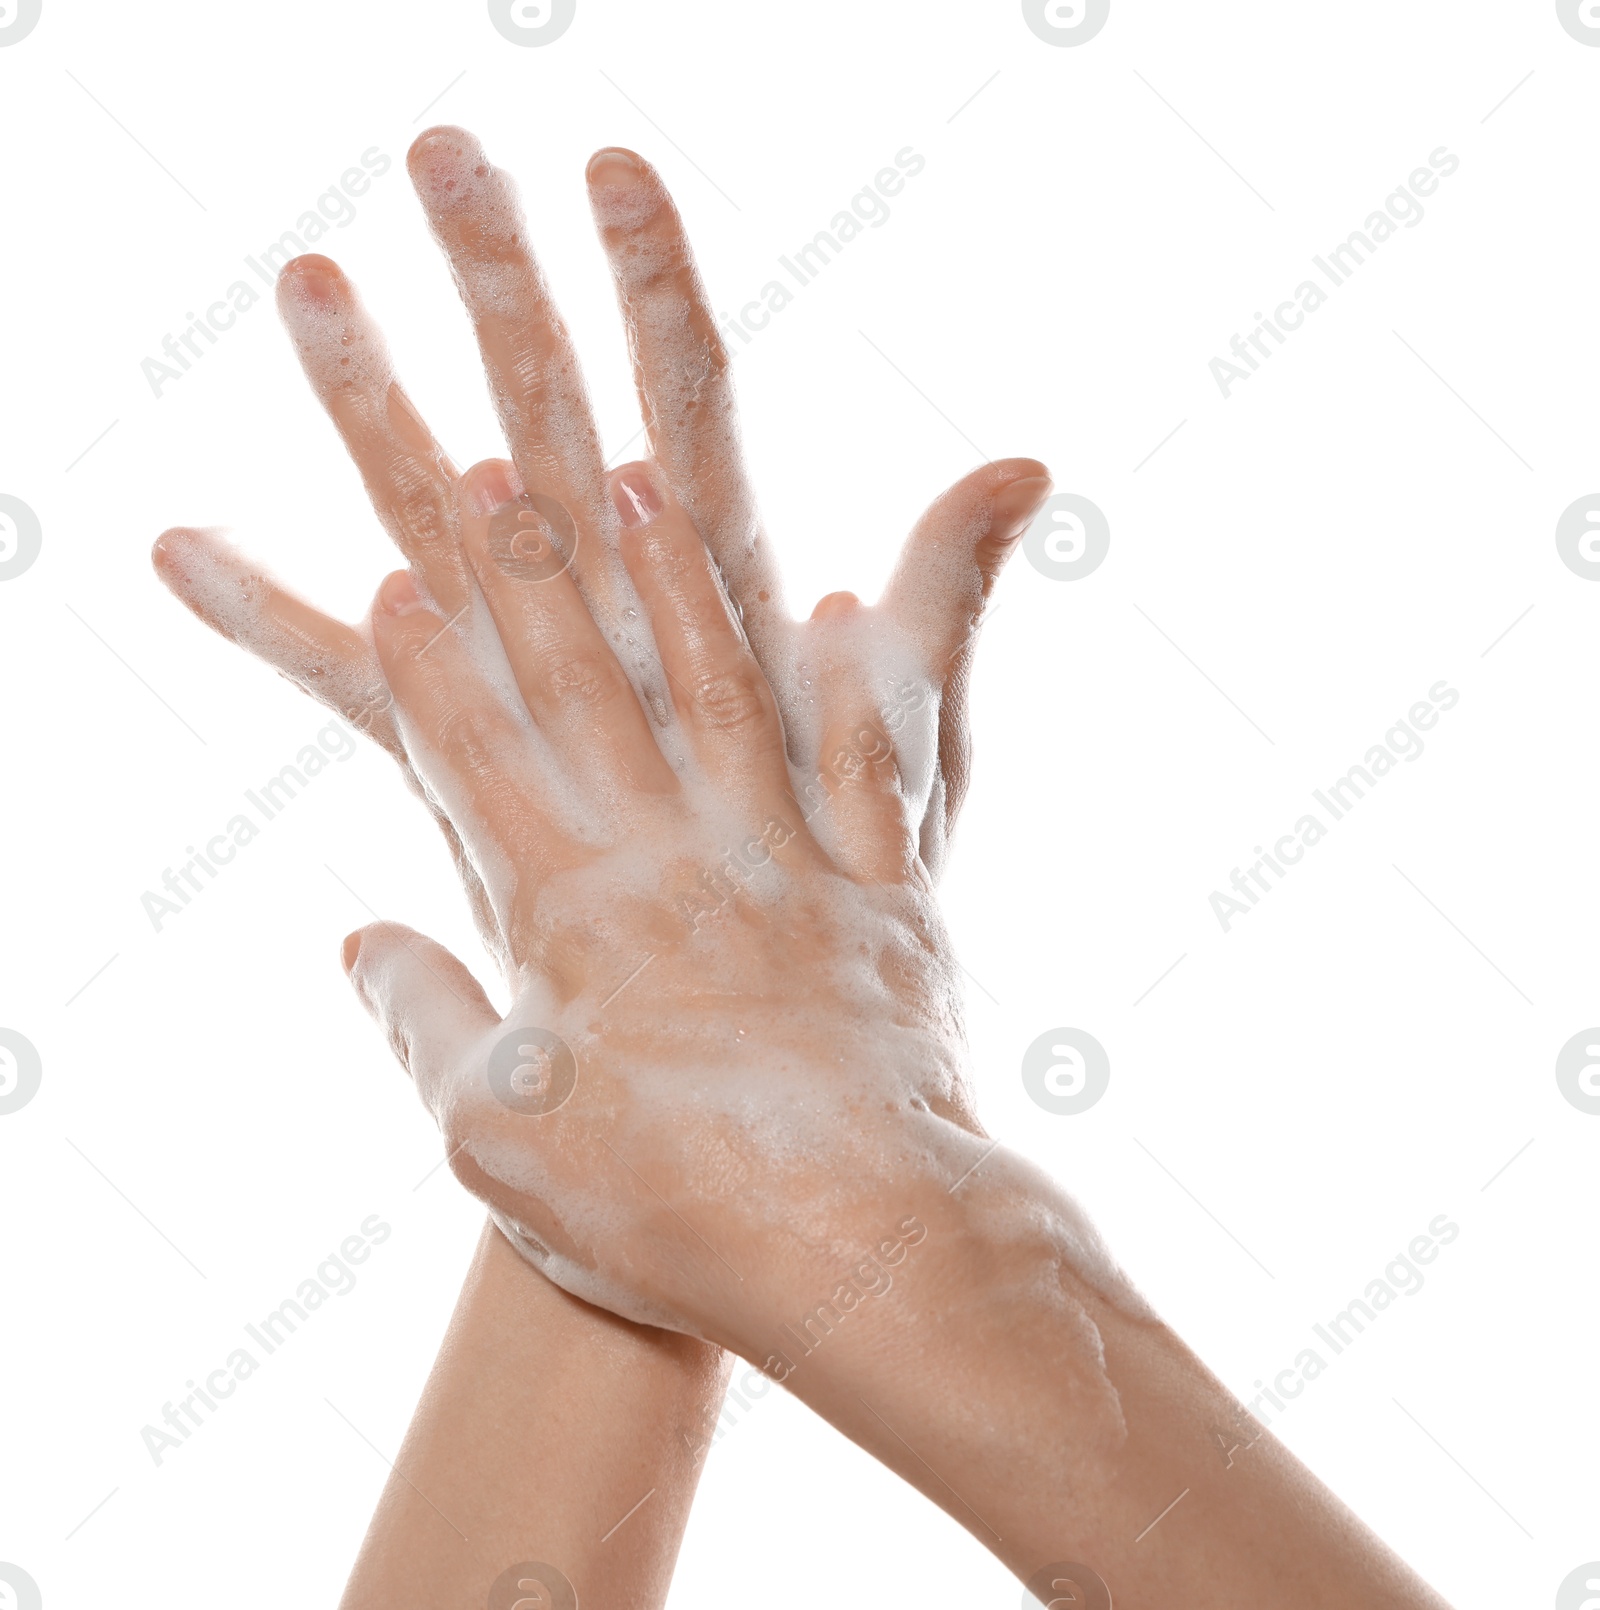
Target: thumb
[[956, 551], [938, 592], [426, 1002]]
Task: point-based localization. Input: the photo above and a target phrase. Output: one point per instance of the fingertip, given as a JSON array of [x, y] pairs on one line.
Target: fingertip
[[397, 597], [836, 606], [636, 494], [313, 280], [489, 485], [167, 552], [1014, 506], [438, 155], [615, 165], [439, 137], [626, 195], [192, 560], [1018, 469]]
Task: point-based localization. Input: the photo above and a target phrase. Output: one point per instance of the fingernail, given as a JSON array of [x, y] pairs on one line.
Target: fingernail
[[398, 595], [440, 157], [1015, 506], [614, 166], [316, 279], [491, 486], [350, 950], [835, 606], [635, 496]]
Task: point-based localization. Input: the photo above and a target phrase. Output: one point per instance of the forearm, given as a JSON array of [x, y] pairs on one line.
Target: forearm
[[1013, 1375], [548, 1432]]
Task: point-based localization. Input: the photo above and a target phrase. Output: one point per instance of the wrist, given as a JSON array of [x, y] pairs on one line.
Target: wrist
[[963, 1339]]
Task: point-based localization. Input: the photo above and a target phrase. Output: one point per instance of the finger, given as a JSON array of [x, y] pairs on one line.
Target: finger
[[855, 804], [430, 1008], [938, 593], [240, 601], [332, 662], [478, 756], [407, 474], [681, 369], [530, 363], [955, 553], [718, 689], [572, 683]]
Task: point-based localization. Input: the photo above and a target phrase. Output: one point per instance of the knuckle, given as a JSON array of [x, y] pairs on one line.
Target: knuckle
[[418, 511], [582, 678], [731, 698]]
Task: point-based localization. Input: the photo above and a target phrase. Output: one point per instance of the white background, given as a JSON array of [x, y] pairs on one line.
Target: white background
[[1366, 1050]]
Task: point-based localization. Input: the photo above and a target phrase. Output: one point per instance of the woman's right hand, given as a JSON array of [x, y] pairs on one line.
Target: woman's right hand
[[735, 1043]]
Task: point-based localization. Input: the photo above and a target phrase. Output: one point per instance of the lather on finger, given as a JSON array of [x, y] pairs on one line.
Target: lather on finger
[[240, 601], [532, 369], [571, 680], [717, 686], [681, 370], [854, 803], [408, 475], [938, 592], [478, 756], [331, 661]]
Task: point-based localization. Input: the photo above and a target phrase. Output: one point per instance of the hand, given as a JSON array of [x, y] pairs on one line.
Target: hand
[[934, 600], [730, 1004]]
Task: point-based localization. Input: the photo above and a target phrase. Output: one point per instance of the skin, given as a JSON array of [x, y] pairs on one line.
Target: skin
[[648, 1396], [543, 1423], [740, 1091], [737, 1081]]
